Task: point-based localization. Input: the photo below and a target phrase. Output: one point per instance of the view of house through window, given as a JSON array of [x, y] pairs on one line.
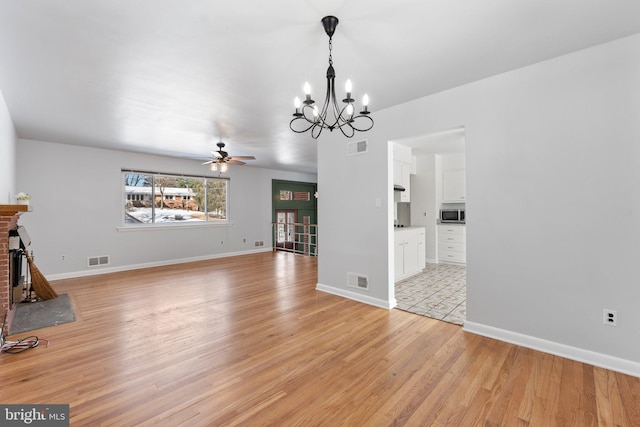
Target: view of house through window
[[152, 198]]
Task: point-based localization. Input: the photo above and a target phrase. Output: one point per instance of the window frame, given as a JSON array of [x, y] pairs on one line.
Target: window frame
[[206, 222]]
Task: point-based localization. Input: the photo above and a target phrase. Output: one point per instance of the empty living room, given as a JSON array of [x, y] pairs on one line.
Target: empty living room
[[200, 204]]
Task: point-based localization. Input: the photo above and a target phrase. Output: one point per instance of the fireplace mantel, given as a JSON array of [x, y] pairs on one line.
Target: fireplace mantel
[[11, 210]]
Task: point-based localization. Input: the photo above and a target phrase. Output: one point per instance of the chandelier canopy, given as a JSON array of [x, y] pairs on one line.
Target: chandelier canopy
[[332, 115]]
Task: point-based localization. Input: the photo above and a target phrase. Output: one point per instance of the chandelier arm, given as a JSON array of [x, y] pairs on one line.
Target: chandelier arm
[[345, 123], [361, 129], [303, 130], [337, 111], [322, 114], [308, 114], [316, 130], [350, 129]]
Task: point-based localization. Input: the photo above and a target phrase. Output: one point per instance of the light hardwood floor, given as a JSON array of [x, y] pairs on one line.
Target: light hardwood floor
[[247, 340]]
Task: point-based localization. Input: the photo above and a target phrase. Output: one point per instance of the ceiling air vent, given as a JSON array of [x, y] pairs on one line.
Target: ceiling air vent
[[359, 281], [357, 147]]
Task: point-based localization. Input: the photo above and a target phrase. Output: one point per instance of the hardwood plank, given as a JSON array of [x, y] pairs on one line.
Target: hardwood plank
[[248, 340]]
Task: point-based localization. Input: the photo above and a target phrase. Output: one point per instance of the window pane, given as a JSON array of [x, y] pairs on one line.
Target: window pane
[[137, 202], [217, 199], [173, 202], [161, 199]]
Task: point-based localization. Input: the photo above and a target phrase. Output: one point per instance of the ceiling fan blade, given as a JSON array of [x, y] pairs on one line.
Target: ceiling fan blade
[[210, 161], [216, 154], [235, 162], [244, 157]]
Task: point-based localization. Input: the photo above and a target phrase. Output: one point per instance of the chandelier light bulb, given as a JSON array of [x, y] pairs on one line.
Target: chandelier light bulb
[[349, 110], [296, 103], [365, 103], [347, 87]]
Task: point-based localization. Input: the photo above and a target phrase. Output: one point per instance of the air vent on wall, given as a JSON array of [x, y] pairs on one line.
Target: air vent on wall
[[357, 147], [359, 281], [258, 243], [95, 261]]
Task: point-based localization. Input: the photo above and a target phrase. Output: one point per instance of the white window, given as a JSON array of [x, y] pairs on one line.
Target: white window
[[154, 198]]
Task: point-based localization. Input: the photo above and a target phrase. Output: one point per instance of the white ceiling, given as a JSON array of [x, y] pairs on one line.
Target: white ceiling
[[173, 77]]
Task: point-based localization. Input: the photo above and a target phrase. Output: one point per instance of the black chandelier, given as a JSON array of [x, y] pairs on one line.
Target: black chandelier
[[331, 116]]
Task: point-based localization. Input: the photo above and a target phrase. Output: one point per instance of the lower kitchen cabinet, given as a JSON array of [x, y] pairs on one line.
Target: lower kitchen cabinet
[[409, 248], [452, 243]]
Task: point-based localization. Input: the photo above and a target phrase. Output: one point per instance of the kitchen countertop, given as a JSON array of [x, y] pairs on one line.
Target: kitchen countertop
[[408, 227]]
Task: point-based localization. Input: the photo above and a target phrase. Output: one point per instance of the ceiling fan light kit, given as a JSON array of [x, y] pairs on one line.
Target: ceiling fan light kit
[[331, 116], [221, 159]]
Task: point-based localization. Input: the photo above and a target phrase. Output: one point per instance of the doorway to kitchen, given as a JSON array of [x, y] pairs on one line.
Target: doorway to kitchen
[[437, 182]]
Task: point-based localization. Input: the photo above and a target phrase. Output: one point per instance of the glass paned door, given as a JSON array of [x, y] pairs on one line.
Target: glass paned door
[[285, 231]]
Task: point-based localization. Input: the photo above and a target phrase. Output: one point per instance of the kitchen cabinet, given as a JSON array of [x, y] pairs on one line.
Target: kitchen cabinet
[[452, 243], [453, 186], [409, 252], [403, 166], [422, 248], [402, 176], [453, 178]]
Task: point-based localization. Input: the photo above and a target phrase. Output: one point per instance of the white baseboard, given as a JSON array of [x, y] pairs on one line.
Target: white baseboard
[[574, 353], [357, 296], [98, 271]]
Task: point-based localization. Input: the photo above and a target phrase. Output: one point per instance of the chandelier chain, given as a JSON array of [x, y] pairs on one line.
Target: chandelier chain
[[330, 48]]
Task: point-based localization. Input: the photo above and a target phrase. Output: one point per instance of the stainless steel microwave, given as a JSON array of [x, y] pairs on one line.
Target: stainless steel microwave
[[452, 215]]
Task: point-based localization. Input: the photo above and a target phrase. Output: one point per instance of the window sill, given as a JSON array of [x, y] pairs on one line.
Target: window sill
[[150, 227]]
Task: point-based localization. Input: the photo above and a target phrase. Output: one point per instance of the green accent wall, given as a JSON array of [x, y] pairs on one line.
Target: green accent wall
[[303, 207]]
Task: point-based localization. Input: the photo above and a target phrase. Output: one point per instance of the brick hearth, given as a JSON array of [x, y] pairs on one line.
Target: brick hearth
[[9, 215]]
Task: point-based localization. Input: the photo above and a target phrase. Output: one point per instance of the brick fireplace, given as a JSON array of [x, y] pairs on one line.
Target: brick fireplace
[[9, 215]]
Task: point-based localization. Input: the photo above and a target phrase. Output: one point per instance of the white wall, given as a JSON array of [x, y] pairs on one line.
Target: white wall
[[77, 206], [358, 230], [552, 180], [425, 186], [8, 142]]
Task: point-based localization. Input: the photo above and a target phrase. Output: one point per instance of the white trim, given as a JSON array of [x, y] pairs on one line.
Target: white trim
[[624, 366], [95, 272], [356, 296], [173, 226]]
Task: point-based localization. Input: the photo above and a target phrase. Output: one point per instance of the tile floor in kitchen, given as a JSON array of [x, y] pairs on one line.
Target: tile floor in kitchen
[[439, 292]]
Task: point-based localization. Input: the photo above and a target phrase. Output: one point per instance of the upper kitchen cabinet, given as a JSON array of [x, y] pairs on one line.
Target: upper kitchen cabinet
[[403, 166], [453, 178]]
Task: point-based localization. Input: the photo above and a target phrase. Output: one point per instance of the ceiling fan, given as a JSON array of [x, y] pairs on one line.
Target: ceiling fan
[[221, 158]]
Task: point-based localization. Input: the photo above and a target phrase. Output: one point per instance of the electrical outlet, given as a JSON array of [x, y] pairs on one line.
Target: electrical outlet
[[63, 257], [222, 242], [610, 317]]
